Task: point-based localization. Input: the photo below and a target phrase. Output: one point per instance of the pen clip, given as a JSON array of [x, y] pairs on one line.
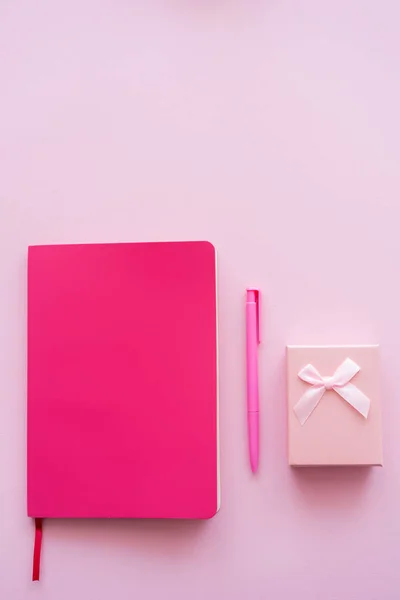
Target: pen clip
[[255, 296]]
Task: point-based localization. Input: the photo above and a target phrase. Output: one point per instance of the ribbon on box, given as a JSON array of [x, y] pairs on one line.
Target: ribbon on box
[[338, 382]]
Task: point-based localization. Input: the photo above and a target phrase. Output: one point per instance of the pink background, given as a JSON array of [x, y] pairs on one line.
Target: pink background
[[272, 129]]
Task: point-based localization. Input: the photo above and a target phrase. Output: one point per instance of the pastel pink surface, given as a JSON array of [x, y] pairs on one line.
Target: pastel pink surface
[[122, 381], [272, 129], [335, 433]]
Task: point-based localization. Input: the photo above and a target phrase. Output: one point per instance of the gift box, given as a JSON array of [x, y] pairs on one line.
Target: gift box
[[334, 413]]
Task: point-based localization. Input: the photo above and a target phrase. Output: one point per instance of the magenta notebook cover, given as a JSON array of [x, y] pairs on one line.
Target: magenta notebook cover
[[122, 381]]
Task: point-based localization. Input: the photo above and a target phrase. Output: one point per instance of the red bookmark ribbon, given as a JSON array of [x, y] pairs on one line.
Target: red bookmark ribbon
[[37, 550]]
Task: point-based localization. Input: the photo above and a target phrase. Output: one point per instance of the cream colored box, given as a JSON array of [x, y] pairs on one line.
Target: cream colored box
[[334, 412]]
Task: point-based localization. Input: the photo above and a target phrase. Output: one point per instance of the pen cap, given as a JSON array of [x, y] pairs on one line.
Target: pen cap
[[253, 295]]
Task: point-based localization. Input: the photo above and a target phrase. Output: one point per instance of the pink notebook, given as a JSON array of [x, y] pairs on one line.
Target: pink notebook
[[122, 381]]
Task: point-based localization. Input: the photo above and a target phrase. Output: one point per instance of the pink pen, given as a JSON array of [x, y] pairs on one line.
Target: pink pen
[[252, 341]]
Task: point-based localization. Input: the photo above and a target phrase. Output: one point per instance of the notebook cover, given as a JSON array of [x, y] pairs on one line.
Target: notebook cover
[[122, 381]]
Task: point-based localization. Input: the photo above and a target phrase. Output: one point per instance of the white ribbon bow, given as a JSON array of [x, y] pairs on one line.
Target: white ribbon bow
[[339, 382]]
